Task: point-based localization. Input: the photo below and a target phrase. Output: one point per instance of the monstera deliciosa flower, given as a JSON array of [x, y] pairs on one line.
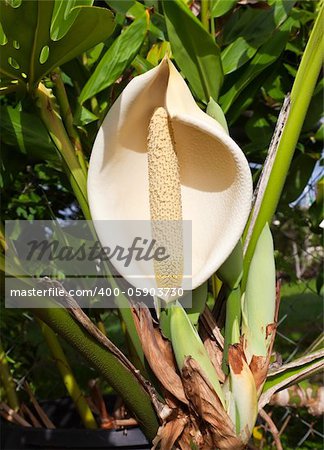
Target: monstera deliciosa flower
[[159, 157]]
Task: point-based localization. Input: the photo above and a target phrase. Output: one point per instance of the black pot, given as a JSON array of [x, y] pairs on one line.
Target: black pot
[[68, 435]]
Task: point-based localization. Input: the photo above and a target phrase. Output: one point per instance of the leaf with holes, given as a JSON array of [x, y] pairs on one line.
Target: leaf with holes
[[32, 43]]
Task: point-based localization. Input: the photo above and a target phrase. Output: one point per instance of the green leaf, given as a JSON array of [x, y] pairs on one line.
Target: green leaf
[[141, 65], [258, 309], [259, 129], [64, 15], [220, 7], [199, 299], [116, 59], [299, 174], [315, 110], [30, 52], [246, 39], [266, 55], [83, 116], [194, 50], [255, 25], [94, 54], [248, 95], [27, 133], [134, 10], [230, 58], [157, 52], [291, 373], [121, 6], [216, 112]]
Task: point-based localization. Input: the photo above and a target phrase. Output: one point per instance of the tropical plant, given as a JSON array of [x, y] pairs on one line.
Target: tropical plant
[[195, 377]]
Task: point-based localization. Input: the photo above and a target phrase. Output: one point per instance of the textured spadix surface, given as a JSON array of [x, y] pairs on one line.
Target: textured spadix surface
[[215, 181]]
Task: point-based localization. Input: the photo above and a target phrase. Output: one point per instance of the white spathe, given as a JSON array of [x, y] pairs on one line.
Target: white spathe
[[216, 183]]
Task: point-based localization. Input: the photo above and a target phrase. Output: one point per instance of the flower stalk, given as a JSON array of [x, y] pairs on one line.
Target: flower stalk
[[58, 134]]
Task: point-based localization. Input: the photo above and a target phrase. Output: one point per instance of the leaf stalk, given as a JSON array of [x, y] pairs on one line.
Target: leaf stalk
[[58, 134], [67, 118]]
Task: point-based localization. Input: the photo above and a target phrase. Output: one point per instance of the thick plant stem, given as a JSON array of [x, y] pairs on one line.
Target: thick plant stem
[[77, 178], [67, 117], [70, 382], [56, 129], [122, 380], [58, 134], [301, 95], [7, 381]]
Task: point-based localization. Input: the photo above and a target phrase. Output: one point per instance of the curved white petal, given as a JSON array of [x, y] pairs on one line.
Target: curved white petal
[[216, 186]]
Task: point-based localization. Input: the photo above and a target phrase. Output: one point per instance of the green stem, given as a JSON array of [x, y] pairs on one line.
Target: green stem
[[212, 27], [108, 365], [232, 323], [67, 375], [67, 117], [56, 130], [3, 243], [301, 95], [204, 13], [7, 381]]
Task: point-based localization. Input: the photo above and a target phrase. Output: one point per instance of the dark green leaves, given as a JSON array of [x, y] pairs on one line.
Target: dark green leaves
[[266, 55], [248, 29], [194, 49], [33, 37], [27, 133], [116, 59]]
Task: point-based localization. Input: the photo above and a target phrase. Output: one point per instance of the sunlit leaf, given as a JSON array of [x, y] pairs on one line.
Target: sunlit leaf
[[194, 50], [158, 51], [84, 117], [220, 7], [116, 59], [64, 15], [215, 111]]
